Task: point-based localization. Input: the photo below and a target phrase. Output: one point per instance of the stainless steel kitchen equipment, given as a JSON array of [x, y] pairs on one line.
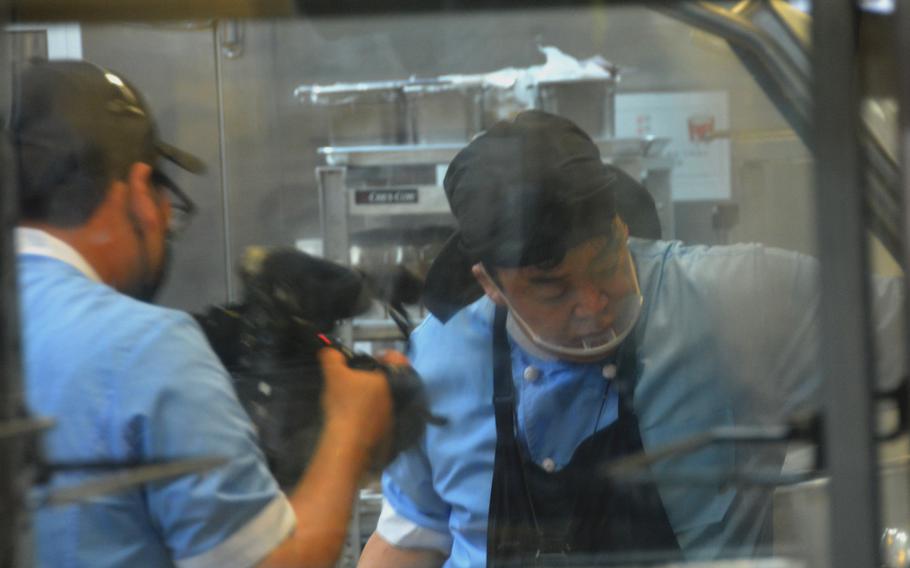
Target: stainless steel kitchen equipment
[[452, 109], [801, 514], [411, 248], [440, 111], [361, 113], [502, 102], [589, 102]]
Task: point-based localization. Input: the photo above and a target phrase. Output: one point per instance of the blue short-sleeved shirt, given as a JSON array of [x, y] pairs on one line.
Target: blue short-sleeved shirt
[[126, 380], [727, 336]]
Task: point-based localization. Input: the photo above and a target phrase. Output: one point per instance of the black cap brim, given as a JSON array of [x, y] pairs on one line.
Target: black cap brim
[[450, 285], [182, 159]]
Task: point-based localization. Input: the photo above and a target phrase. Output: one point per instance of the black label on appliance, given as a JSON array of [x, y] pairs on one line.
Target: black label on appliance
[[392, 196]]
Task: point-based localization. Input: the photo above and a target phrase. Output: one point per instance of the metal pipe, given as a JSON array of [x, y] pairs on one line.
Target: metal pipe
[[641, 461], [12, 472], [903, 96], [846, 342], [336, 246], [232, 44], [223, 168]]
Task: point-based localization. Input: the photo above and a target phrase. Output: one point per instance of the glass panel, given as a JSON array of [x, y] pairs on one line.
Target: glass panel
[[880, 115], [663, 386], [720, 161]]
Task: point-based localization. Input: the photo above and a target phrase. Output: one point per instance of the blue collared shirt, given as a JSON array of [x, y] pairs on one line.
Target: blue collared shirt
[[727, 336], [128, 381]]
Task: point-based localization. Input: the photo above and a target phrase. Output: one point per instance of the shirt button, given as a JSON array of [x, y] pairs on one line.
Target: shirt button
[[609, 371], [548, 465], [531, 374]]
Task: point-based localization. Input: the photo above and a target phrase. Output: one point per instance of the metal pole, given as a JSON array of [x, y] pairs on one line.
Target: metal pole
[[333, 216], [846, 344], [333, 213], [902, 42], [223, 170], [12, 471]]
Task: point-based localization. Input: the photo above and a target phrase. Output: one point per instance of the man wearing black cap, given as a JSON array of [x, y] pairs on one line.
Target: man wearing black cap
[[129, 382], [558, 344]]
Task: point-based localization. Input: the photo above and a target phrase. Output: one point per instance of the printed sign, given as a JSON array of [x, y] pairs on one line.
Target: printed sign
[[392, 196], [697, 125]]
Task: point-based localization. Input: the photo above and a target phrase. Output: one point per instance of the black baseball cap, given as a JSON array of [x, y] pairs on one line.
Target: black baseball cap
[[523, 193], [70, 117]]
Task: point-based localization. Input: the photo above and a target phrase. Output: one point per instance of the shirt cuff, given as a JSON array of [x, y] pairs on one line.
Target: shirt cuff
[[402, 532], [252, 542]]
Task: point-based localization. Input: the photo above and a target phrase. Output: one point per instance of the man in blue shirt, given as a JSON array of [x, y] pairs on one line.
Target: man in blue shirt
[[557, 344], [127, 381]]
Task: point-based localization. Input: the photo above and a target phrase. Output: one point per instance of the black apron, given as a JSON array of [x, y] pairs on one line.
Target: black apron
[[571, 517]]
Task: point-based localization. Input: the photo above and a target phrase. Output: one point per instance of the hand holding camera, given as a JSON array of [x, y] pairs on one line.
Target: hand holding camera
[[294, 379]]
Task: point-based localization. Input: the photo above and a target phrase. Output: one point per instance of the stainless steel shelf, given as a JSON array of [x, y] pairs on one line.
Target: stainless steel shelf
[[386, 155]]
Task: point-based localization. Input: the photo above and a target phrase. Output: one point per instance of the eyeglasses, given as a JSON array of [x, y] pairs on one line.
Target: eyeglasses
[[182, 207]]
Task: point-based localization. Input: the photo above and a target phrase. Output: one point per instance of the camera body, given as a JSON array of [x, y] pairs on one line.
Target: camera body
[[268, 342]]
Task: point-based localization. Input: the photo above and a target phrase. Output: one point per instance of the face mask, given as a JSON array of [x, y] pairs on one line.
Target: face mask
[[628, 310]]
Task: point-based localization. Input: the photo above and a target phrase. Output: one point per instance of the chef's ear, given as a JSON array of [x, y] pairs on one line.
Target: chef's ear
[[489, 286], [621, 227]]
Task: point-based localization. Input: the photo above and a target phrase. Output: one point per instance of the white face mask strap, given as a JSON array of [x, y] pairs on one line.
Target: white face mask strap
[[584, 352], [526, 329], [512, 311], [634, 271]]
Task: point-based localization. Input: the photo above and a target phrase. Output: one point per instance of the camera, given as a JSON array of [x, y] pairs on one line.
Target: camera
[[268, 342]]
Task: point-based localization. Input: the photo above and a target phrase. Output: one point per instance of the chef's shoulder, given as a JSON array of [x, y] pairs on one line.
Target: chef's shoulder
[[140, 331], [447, 354], [740, 270]]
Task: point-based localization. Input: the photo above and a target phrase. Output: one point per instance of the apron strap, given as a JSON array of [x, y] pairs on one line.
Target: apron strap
[[512, 528], [503, 390]]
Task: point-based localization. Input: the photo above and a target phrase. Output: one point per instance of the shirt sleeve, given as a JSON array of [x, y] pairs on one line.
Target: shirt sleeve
[[402, 532], [413, 514], [794, 286], [779, 312], [791, 293], [181, 404]]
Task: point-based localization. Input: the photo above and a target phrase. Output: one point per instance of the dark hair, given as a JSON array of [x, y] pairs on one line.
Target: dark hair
[[65, 195], [528, 190], [636, 207], [548, 249]]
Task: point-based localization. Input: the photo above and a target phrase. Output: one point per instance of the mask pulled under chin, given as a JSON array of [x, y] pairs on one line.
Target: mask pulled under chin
[[628, 312]]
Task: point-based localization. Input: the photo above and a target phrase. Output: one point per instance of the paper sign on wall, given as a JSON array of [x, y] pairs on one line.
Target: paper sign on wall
[[701, 169]]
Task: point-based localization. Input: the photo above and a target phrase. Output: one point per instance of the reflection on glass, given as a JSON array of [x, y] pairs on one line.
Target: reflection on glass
[[508, 182]]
